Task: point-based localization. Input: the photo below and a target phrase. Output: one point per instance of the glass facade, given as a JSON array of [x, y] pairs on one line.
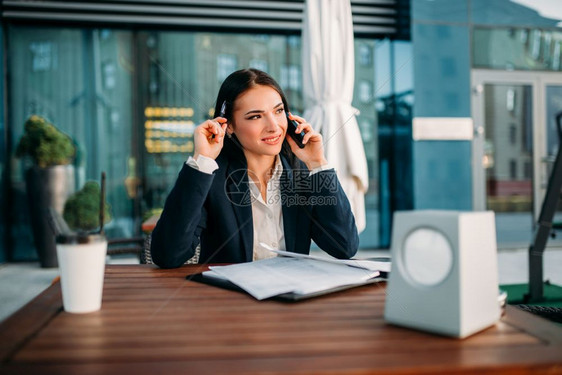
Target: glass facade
[[456, 45], [553, 119], [3, 159], [394, 101], [517, 49], [131, 99], [553, 125], [82, 81], [522, 37], [508, 159]]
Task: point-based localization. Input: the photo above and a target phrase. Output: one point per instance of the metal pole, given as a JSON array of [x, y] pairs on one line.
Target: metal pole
[[544, 228]]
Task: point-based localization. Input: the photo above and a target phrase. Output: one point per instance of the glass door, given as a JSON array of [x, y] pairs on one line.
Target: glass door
[[505, 158], [515, 143], [552, 91]]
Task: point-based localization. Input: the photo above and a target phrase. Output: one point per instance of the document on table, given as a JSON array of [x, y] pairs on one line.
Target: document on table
[[358, 263], [284, 274]]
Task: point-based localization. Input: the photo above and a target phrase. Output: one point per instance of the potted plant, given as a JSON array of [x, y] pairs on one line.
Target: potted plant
[[82, 209], [49, 180], [81, 254]]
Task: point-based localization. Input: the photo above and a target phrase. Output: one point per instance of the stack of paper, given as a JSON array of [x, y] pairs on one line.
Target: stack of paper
[[296, 273]]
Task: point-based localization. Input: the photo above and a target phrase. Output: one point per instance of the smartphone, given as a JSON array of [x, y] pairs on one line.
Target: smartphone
[[221, 114], [291, 130]]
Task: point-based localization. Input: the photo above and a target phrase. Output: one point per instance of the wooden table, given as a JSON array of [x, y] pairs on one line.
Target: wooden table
[[153, 321]]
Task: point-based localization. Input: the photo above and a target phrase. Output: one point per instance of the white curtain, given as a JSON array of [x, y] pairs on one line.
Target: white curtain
[[328, 77]]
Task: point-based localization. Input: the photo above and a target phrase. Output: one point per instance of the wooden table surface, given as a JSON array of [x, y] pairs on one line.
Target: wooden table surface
[[154, 321]]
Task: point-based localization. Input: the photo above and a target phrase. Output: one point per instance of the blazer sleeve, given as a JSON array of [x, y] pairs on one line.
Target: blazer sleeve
[[332, 223], [177, 233]]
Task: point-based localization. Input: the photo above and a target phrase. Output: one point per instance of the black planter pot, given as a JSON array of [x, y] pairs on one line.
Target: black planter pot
[[47, 188]]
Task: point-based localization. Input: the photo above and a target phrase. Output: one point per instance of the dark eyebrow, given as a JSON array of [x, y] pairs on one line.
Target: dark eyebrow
[[260, 111]]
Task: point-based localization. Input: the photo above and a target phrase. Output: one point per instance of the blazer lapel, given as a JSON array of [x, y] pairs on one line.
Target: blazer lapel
[[238, 192]]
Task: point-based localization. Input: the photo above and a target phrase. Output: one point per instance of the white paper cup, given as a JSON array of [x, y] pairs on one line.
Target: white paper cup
[[82, 266]]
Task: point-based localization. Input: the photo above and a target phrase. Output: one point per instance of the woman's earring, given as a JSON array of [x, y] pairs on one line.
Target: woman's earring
[[228, 135]]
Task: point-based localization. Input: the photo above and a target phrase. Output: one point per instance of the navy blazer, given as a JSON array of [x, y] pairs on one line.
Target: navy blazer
[[215, 210]]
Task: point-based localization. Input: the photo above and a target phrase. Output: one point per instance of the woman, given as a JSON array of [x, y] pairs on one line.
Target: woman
[[248, 184]]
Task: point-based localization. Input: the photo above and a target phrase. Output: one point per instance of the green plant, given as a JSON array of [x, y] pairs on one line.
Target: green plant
[[153, 211], [44, 143], [81, 210]]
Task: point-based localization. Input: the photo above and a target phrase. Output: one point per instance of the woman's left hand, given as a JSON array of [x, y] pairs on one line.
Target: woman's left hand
[[313, 152]]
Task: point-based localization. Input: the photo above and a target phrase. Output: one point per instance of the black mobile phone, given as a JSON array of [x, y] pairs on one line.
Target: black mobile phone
[[291, 130]]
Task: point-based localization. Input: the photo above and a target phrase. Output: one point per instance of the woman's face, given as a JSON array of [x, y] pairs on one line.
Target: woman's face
[[259, 121]]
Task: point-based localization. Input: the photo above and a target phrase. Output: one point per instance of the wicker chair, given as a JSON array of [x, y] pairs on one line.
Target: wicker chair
[[146, 256], [117, 246]]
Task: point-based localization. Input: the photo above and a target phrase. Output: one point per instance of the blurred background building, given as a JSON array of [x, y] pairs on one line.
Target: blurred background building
[[129, 81]]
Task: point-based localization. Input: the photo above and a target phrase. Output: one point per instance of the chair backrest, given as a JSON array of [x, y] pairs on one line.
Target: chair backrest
[[146, 255], [131, 245]]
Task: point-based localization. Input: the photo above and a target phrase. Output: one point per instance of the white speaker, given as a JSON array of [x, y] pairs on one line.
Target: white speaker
[[444, 274]]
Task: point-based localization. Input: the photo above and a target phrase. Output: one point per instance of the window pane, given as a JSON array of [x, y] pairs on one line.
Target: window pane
[[365, 54], [526, 49], [226, 64], [538, 13], [553, 131], [81, 80], [259, 64], [363, 100], [440, 10], [365, 91], [384, 97], [509, 188], [3, 206]]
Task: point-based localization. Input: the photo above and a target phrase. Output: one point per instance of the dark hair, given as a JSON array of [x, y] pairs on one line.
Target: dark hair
[[233, 86]]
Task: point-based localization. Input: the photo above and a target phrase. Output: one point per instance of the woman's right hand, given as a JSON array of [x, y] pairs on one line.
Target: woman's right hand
[[205, 143]]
